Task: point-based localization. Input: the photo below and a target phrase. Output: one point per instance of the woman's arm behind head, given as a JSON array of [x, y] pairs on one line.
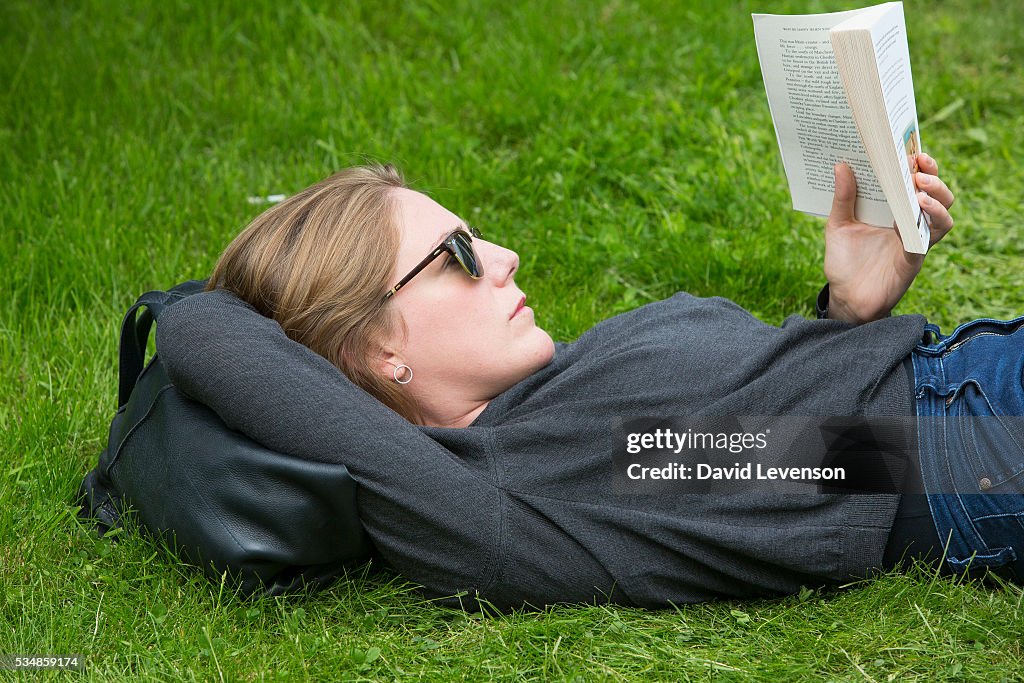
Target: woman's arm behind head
[[220, 351]]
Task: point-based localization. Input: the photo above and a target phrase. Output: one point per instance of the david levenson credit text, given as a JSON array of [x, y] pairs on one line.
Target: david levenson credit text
[[750, 471]]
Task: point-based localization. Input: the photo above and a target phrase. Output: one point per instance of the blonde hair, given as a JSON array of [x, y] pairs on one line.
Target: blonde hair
[[320, 263]]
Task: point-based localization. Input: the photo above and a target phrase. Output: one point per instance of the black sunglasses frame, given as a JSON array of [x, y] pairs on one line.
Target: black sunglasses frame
[[447, 245]]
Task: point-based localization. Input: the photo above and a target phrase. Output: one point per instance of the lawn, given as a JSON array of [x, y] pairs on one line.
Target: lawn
[[624, 149]]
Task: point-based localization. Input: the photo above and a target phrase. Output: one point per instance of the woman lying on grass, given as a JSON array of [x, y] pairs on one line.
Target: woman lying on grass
[[487, 475]]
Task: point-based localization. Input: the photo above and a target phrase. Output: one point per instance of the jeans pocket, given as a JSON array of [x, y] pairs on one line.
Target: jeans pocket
[[992, 442], [997, 558], [1002, 539]]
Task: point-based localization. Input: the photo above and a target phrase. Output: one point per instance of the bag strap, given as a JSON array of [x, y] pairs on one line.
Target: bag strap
[[135, 330]]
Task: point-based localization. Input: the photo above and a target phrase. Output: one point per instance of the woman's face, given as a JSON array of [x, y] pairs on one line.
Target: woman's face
[[464, 344]]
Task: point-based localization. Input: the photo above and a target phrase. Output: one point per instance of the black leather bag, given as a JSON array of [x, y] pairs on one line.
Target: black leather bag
[[273, 522]]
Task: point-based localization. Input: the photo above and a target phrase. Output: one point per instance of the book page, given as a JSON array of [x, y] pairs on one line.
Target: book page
[[812, 118]]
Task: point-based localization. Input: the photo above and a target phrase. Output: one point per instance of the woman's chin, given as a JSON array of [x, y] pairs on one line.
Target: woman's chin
[[546, 350]]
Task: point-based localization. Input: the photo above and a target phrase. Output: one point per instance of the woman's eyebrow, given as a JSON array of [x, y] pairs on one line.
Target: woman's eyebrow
[[441, 238]]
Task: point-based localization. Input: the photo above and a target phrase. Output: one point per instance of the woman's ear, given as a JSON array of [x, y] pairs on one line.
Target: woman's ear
[[385, 361], [382, 360], [388, 352]]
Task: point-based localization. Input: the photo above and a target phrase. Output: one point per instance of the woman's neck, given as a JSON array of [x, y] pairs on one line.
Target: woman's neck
[[456, 418]]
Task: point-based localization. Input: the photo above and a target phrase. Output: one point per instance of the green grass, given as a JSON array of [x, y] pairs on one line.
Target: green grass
[[624, 149]]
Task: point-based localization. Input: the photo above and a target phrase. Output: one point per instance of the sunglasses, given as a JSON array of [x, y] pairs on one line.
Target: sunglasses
[[460, 245]]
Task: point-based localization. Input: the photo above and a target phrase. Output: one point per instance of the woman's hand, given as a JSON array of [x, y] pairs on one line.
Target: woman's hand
[[866, 267]]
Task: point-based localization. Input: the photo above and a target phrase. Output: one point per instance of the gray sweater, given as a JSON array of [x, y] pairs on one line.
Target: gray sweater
[[518, 507]]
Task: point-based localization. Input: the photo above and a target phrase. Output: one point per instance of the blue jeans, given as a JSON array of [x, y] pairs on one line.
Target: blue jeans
[[969, 389]]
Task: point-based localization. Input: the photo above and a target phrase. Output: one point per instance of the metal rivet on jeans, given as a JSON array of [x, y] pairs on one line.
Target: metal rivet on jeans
[[985, 483]]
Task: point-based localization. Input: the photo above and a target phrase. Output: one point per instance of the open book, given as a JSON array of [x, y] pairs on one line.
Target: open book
[[840, 89]]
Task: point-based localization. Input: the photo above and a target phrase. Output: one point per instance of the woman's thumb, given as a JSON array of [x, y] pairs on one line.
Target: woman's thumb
[[845, 197]]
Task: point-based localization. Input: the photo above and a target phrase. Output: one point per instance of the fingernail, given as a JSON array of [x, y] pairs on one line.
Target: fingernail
[[923, 179]]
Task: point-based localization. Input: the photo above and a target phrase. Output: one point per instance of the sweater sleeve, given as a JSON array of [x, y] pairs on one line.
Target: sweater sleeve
[[223, 353]]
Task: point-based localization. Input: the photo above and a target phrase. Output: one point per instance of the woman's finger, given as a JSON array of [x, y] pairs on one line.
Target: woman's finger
[[941, 221], [927, 164], [933, 185]]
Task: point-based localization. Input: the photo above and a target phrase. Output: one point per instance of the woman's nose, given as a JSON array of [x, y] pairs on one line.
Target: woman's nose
[[499, 263]]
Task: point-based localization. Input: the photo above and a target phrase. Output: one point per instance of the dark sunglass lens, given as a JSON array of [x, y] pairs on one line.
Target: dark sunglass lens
[[466, 256]]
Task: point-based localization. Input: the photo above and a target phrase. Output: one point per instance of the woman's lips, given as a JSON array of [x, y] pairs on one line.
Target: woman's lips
[[519, 307]]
